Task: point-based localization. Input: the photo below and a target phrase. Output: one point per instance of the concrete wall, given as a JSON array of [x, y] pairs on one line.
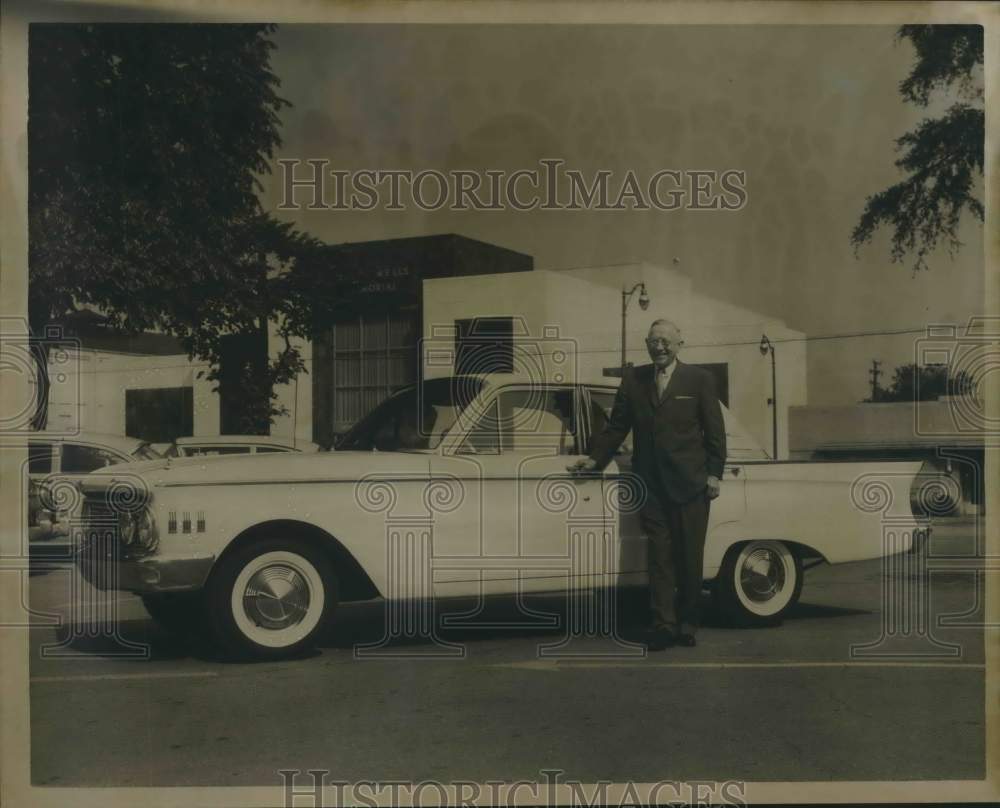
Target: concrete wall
[[891, 425]]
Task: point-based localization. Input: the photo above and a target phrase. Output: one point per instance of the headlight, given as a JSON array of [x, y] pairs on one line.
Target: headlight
[[145, 531], [136, 529], [126, 527]]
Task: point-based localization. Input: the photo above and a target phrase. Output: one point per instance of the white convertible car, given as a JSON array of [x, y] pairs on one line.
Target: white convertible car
[[458, 487]]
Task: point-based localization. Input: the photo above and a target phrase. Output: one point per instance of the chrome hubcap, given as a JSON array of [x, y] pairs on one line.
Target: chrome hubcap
[[762, 575], [276, 597]]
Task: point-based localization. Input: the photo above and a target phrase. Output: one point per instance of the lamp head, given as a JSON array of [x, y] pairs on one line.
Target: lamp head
[[765, 345], [643, 298]]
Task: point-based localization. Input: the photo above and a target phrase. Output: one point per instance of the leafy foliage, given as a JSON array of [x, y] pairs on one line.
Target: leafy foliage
[[146, 147], [943, 157], [924, 383], [946, 54]]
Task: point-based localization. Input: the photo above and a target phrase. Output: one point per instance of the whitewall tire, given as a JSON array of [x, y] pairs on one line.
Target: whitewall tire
[[271, 598], [758, 583]]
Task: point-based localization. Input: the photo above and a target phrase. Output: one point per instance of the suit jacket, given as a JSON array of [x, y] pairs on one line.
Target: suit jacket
[[678, 440]]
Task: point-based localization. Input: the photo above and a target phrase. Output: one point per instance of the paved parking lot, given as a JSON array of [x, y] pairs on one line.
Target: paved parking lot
[[781, 703]]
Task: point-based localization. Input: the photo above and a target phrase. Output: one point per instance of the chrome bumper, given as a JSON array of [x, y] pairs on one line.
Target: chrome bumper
[[154, 574]]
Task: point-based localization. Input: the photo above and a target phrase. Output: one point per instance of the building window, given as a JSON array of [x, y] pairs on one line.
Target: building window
[[720, 373], [159, 414], [374, 355], [484, 345]]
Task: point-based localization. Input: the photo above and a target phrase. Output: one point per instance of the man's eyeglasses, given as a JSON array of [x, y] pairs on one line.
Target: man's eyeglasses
[[656, 342]]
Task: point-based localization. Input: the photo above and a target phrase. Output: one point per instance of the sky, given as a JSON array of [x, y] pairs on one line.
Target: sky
[[810, 113]]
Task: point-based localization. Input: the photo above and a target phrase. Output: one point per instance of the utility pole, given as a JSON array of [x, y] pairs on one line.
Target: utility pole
[[875, 373], [643, 304], [767, 347]]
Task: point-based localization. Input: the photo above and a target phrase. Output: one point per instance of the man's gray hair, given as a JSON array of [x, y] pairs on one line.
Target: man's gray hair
[[665, 322]]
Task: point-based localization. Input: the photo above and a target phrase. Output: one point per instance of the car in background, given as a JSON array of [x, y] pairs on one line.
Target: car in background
[[56, 464], [205, 445]]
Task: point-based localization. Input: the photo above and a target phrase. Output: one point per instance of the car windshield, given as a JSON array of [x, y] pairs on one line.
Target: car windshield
[[415, 418]]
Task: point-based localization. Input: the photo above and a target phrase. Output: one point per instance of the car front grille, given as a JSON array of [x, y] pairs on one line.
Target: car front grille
[[96, 542]]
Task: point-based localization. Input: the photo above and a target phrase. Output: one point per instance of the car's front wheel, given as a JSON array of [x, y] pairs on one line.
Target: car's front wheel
[[271, 598], [758, 583]]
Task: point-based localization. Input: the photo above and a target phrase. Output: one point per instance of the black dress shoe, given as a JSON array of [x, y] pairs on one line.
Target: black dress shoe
[[686, 640], [660, 640]]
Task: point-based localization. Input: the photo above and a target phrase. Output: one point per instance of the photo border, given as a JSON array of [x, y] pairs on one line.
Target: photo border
[[16, 788]]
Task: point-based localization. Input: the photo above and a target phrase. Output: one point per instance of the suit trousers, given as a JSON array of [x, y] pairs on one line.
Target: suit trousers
[[676, 542]]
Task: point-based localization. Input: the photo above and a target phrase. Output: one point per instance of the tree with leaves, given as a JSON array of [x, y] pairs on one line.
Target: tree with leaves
[[942, 157], [146, 144], [924, 383]]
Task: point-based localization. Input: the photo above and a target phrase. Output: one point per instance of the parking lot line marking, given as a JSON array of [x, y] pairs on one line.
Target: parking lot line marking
[[556, 665], [101, 677]]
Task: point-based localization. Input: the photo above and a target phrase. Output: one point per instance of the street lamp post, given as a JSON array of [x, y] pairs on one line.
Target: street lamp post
[[643, 304], [767, 347]]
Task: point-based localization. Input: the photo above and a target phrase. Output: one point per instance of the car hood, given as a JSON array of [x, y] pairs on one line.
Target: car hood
[[283, 467]]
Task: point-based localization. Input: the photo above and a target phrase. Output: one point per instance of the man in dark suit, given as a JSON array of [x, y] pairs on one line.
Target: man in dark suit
[[679, 450]]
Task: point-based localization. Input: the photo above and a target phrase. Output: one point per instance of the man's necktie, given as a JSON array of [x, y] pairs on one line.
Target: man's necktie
[[661, 382]]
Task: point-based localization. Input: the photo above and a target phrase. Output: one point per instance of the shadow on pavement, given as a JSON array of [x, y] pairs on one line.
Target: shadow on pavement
[[501, 617], [457, 621]]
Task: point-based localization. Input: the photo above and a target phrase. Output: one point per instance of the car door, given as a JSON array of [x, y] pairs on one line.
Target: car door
[[623, 507], [524, 524]]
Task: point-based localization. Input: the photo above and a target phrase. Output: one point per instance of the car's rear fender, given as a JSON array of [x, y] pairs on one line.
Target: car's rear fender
[[850, 511]]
